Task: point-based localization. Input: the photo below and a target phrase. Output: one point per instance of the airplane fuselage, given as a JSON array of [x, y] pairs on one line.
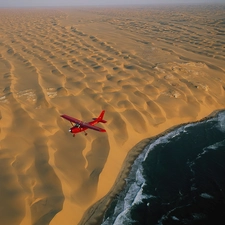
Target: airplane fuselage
[[77, 128]]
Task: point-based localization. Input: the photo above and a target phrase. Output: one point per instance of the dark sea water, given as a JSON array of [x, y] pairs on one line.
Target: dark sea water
[[179, 178]]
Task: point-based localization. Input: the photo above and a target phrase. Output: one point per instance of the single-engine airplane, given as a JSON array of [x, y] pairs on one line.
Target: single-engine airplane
[[79, 126]]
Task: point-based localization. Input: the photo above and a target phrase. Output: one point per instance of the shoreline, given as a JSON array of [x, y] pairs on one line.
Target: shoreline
[[98, 209]]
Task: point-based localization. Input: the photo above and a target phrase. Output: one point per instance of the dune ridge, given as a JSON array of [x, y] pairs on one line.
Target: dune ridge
[[149, 68]]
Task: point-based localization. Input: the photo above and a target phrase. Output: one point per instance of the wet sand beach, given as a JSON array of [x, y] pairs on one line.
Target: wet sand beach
[[150, 68]]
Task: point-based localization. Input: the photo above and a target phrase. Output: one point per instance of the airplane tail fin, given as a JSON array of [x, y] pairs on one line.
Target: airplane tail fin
[[100, 118]]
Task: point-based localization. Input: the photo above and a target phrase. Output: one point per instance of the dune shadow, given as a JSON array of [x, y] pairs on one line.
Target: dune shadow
[[48, 189], [96, 159]]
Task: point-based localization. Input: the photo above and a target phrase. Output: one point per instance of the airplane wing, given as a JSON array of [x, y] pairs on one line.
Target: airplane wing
[[82, 124], [71, 119], [93, 127]]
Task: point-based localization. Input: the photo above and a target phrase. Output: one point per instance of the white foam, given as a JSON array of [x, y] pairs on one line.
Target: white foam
[[205, 195], [139, 197], [175, 218], [198, 216], [221, 120], [131, 194], [123, 218], [167, 138], [214, 146]]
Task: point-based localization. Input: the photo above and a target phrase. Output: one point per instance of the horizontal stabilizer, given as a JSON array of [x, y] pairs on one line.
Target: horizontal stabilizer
[[101, 121]]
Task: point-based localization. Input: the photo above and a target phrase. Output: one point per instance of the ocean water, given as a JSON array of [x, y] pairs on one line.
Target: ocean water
[[179, 178]]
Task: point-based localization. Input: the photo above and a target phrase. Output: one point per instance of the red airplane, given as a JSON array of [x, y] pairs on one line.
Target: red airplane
[[79, 126]]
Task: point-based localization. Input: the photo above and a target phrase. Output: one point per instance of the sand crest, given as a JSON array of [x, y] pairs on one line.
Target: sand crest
[[149, 68]]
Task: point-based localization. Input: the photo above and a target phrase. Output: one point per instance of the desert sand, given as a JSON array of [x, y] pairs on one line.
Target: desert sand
[[150, 68]]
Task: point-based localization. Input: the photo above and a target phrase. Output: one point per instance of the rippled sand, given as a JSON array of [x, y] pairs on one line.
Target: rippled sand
[[149, 68]]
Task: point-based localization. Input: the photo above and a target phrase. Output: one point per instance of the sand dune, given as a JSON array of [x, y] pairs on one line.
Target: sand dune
[[149, 68]]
